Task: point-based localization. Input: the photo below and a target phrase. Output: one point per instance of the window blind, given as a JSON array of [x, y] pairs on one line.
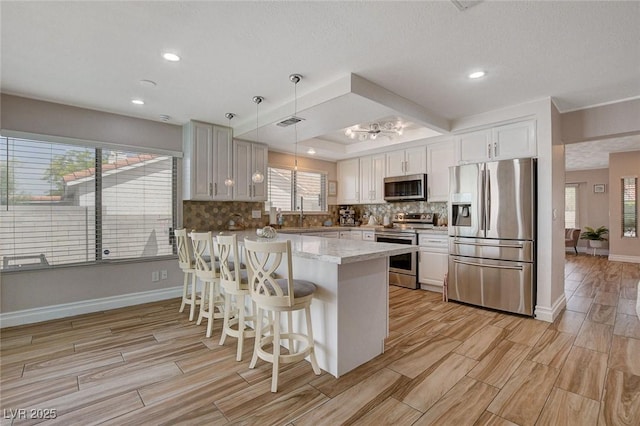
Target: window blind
[[629, 207], [57, 211], [571, 206], [286, 187]]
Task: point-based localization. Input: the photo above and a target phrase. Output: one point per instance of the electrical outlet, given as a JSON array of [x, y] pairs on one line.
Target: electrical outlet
[[163, 274], [256, 214], [155, 276]]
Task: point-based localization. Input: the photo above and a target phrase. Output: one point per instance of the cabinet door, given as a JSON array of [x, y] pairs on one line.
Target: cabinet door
[[415, 160], [475, 147], [222, 163], [349, 181], [395, 163], [366, 189], [432, 267], [517, 140], [440, 156], [356, 235], [242, 170], [198, 148], [259, 159], [376, 184]]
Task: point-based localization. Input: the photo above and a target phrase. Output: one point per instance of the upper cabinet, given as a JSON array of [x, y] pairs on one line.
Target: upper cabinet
[[207, 162], [372, 179], [440, 156], [249, 158], [348, 181], [516, 140], [407, 161]]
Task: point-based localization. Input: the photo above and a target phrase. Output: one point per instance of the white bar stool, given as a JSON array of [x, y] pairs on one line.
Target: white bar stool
[[278, 295], [187, 264], [212, 304], [234, 282]]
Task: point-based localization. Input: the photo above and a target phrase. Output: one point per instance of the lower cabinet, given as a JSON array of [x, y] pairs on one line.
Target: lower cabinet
[[432, 267]]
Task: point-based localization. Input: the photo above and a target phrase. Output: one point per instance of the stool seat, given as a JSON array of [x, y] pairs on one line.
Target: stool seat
[[301, 288]]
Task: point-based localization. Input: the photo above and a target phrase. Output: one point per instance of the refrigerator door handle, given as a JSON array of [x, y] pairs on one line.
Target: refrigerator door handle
[[488, 202], [519, 268], [465, 243], [482, 201]]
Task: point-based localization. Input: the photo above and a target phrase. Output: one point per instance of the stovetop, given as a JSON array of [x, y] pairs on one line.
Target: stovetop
[[412, 222]]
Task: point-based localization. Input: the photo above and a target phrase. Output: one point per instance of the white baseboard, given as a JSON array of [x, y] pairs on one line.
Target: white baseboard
[[45, 313], [623, 258], [549, 315]]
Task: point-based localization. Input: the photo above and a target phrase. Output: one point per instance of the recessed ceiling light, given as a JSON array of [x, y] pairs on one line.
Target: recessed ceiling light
[[477, 74], [148, 83], [311, 151], [172, 57], [137, 101]]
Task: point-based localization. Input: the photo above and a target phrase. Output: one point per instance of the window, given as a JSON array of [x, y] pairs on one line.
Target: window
[[67, 204], [288, 187], [630, 207], [571, 206]]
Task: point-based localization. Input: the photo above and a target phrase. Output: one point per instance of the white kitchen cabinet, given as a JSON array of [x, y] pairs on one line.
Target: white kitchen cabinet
[[249, 157], [345, 235], [406, 162], [516, 140], [440, 156], [207, 162], [330, 234], [372, 179], [355, 235], [433, 261], [368, 235], [348, 181]]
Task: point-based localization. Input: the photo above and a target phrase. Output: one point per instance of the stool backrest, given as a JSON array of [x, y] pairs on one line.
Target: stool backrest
[[263, 259], [203, 245], [226, 250], [185, 249]]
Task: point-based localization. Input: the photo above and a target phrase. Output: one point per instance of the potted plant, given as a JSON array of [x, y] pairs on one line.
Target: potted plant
[[595, 236]]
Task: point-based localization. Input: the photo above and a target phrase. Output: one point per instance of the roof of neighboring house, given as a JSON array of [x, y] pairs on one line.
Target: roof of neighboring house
[[129, 161]]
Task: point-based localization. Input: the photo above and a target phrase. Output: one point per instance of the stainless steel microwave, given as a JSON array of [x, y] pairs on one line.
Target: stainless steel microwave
[[406, 188]]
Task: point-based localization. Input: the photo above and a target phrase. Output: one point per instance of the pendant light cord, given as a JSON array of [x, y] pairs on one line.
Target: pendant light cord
[[295, 125]]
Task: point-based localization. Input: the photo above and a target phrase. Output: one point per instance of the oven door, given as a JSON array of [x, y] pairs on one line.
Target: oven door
[[403, 268]]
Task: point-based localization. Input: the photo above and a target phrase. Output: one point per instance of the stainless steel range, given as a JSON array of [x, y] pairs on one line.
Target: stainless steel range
[[403, 268]]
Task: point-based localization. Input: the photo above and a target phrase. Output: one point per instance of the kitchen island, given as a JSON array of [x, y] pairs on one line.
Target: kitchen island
[[350, 310]]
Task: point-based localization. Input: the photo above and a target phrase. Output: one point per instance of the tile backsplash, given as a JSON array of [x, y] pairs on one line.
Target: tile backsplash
[[380, 210], [215, 215]]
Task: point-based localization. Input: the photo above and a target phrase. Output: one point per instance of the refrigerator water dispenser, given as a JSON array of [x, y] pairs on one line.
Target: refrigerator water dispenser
[[461, 214]]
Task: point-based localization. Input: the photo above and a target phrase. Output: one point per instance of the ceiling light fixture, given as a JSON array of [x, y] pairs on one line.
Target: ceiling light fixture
[[171, 57], [477, 74], [311, 151], [295, 79], [388, 129], [257, 176], [228, 182], [137, 101]]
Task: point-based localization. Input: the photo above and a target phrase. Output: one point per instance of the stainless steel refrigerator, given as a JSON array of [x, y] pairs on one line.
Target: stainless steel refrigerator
[[492, 235]]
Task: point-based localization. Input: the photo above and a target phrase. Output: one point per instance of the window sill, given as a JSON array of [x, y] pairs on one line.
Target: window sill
[[29, 268]]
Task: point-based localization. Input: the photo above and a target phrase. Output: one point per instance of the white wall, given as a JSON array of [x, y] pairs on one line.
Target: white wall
[[40, 289]]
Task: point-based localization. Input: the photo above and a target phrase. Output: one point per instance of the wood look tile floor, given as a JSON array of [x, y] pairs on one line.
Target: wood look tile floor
[[444, 363]]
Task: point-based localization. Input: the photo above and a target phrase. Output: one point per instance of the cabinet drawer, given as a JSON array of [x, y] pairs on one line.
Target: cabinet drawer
[[369, 235]]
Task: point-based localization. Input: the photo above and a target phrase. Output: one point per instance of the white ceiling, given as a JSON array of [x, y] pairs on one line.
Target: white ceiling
[[361, 61], [595, 154]]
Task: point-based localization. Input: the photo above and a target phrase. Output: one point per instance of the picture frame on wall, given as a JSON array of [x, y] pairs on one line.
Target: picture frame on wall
[[599, 187], [333, 188]]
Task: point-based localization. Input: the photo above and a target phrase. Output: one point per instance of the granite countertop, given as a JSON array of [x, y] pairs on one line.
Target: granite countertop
[[439, 230], [332, 250]]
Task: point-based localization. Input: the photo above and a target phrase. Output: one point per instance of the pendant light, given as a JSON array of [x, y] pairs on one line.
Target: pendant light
[[295, 79], [258, 176], [229, 180]]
